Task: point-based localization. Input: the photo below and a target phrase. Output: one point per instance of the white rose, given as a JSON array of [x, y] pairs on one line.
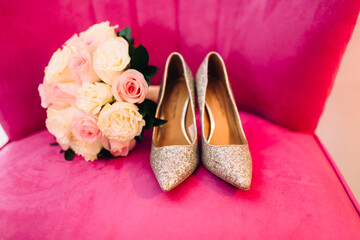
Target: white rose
[[120, 121], [111, 58], [85, 149], [58, 123], [92, 96], [100, 31], [57, 69]]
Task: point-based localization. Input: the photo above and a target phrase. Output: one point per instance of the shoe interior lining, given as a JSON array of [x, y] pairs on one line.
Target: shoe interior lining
[[221, 125], [176, 109]]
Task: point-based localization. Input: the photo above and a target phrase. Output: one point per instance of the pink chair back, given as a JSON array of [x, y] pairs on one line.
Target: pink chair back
[[282, 56]]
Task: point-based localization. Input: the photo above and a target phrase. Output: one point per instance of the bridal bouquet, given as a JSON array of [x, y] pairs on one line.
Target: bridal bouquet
[[94, 90]]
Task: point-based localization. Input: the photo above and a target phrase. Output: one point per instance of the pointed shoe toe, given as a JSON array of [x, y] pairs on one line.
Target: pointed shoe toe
[[232, 163], [173, 164]]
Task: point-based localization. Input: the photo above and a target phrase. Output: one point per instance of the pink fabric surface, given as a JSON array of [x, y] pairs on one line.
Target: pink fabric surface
[[295, 193], [340, 176], [282, 56]]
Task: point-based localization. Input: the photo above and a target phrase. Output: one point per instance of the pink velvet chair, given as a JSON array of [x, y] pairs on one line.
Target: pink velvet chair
[[282, 57]]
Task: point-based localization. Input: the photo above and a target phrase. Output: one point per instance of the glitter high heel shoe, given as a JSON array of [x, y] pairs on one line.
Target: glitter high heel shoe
[[225, 150], [174, 153]]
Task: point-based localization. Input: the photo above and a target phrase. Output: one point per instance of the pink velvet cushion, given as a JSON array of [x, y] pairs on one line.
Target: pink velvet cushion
[[282, 56], [295, 193]]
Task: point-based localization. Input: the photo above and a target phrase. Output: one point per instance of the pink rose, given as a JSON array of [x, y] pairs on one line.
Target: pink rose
[[89, 44], [84, 127], [130, 86], [43, 95], [119, 148], [81, 68], [58, 95]]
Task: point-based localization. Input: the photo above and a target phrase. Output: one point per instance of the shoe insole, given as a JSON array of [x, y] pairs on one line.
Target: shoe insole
[[176, 110], [224, 130]]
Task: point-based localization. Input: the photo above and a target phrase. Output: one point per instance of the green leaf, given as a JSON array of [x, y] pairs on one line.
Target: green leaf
[[69, 154], [54, 144], [131, 50], [151, 70], [149, 122], [147, 79], [159, 122], [139, 58], [105, 154], [147, 107], [126, 33], [140, 137]]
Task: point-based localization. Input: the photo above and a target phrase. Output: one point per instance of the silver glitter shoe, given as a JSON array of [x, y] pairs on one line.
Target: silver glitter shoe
[[174, 153], [225, 150]]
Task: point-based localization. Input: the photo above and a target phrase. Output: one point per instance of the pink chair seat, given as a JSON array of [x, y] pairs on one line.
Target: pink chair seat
[[295, 193], [281, 56]]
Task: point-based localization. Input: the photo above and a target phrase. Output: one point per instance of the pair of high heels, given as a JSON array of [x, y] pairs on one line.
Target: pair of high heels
[[174, 153]]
